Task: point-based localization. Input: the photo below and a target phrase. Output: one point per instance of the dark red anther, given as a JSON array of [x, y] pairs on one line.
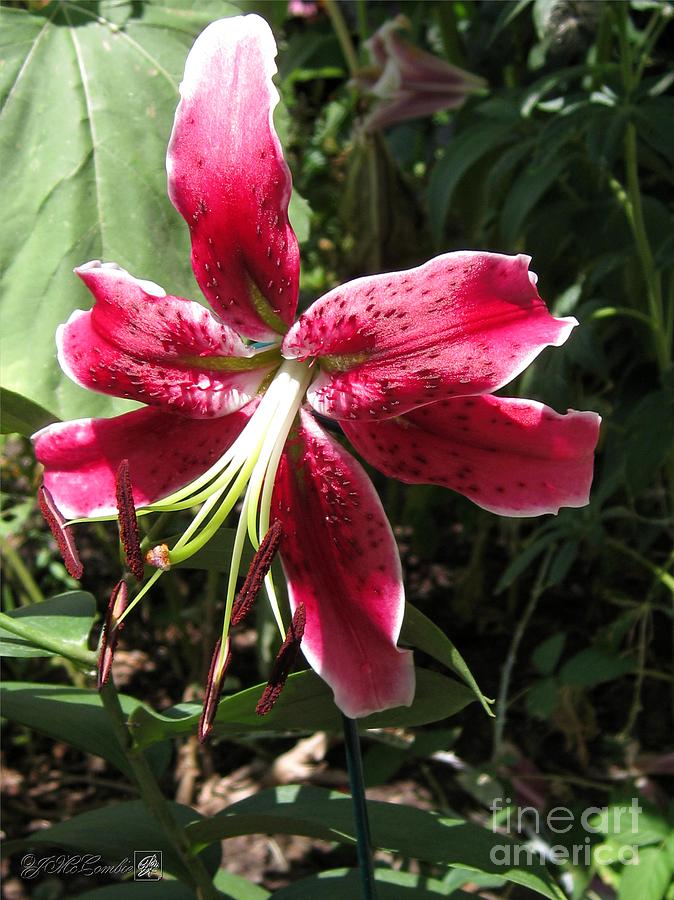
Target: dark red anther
[[283, 663], [216, 677], [63, 534], [110, 635], [128, 523], [257, 572]]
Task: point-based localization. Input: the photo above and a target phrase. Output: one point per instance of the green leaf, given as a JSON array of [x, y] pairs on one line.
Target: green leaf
[[541, 699], [647, 879], [419, 631], [237, 888], [306, 705], [142, 890], [115, 831], [562, 561], [528, 188], [232, 886], [524, 560], [75, 716], [299, 213], [593, 666], [20, 415], [650, 438], [338, 884], [326, 815], [68, 617], [464, 150], [88, 94], [546, 656]]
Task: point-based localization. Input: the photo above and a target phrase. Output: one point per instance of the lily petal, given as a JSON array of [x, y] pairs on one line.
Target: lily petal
[[463, 323], [138, 342], [341, 561], [512, 457], [164, 451], [229, 181]]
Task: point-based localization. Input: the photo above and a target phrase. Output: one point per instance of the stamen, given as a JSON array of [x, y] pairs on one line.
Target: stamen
[[111, 629], [216, 675], [128, 523], [257, 572], [63, 534], [283, 663]]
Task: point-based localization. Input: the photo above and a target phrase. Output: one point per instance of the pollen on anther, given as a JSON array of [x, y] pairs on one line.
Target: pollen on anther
[[128, 523], [63, 534]]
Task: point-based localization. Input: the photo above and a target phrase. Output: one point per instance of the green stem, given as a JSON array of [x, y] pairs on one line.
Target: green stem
[[661, 574], [371, 150], [451, 40], [631, 197], [153, 798], [13, 557], [354, 762], [638, 226], [606, 312], [54, 645], [363, 27], [343, 35], [504, 686]]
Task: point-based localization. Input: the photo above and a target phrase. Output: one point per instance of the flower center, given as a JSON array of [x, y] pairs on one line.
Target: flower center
[[246, 470]]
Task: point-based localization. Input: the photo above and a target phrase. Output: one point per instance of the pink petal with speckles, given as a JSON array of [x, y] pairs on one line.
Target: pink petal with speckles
[[341, 560], [165, 351], [165, 452], [512, 457], [229, 181], [463, 323]]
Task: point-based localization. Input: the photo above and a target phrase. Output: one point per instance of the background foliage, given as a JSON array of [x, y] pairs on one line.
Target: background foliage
[[567, 621]]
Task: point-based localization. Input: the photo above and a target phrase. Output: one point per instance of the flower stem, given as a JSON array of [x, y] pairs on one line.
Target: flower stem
[[153, 797], [451, 40], [53, 644], [354, 762], [343, 36], [506, 674], [13, 559]]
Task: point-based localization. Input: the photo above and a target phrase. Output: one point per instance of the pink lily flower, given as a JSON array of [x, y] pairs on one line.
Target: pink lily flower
[[406, 362], [408, 83]]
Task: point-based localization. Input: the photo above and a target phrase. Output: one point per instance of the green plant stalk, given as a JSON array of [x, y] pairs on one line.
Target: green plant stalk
[[54, 645], [504, 685], [631, 201], [343, 36], [13, 558], [661, 574], [373, 182], [363, 27], [354, 762], [451, 40], [153, 798], [651, 276]]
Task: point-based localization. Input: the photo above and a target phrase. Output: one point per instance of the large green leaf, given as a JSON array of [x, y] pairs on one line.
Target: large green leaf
[[20, 415], [68, 617], [419, 631], [326, 815], [232, 886], [337, 884], [88, 93], [75, 716], [306, 704], [115, 831]]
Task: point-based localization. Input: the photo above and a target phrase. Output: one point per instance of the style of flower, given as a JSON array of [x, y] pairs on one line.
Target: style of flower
[[406, 82], [406, 362]]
